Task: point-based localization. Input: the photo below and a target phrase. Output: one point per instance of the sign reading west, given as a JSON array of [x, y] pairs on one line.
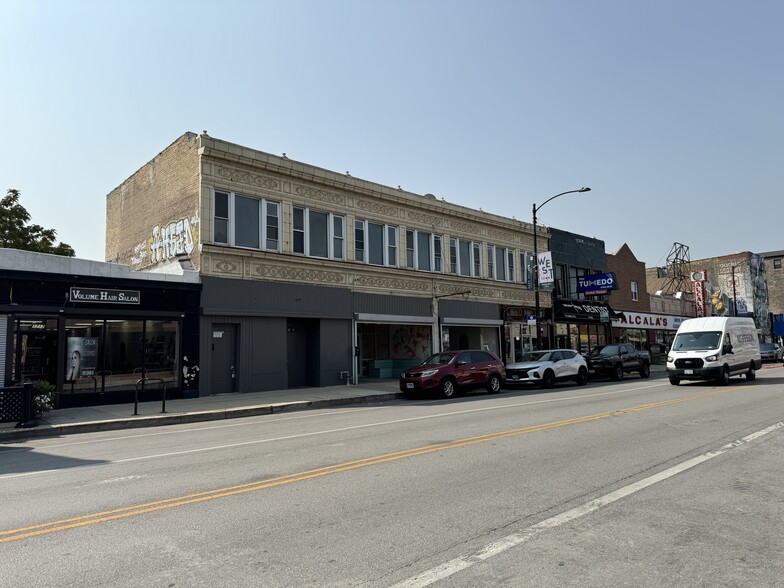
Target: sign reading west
[[105, 296]]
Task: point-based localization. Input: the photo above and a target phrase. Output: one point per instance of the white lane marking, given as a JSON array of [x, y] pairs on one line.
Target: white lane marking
[[497, 547], [290, 437], [185, 429]]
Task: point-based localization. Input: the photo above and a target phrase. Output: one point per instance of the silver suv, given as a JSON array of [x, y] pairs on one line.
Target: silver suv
[[548, 366]]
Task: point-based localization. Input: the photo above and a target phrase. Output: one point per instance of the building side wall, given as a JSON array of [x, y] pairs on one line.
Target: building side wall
[[775, 281], [628, 269], [153, 216]]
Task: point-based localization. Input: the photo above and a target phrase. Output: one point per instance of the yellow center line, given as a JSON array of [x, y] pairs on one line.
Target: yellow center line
[[139, 509]]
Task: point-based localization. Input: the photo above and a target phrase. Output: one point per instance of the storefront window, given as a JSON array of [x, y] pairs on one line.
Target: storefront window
[[161, 351], [460, 337], [35, 350], [83, 365]]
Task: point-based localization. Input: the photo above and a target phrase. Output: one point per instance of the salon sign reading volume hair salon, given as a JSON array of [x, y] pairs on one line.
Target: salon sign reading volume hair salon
[[105, 296]]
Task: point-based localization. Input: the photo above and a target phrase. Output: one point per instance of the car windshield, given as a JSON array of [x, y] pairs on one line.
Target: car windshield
[[605, 350], [439, 359], [696, 340], [767, 347], [537, 356]]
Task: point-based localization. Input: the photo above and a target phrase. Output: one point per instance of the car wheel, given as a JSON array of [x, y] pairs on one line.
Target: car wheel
[[645, 371], [725, 376], [618, 373], [548, 380], [674, 381], [494, 384], [751, 375], [582, 377], [448, 388]]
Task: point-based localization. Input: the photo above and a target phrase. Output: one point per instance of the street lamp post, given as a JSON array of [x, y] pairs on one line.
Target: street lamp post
[[538, 344]]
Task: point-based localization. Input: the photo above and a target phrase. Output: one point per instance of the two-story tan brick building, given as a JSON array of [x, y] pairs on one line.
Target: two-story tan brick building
[[313, 277]]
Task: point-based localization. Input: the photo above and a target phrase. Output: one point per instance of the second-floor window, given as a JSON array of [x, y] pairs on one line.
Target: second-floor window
[[465, 258], [500, 263], [318, 234], [560, 281], [635, 295], [375, 243], [245, 221], [574, 274], [424, 251]]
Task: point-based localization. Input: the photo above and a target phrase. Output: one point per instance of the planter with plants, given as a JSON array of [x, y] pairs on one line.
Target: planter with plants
[[44, 396]]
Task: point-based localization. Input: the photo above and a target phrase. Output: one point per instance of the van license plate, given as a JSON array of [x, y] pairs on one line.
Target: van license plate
[[688, 371]]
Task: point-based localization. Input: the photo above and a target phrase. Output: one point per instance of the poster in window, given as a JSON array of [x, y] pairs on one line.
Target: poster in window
[[82, 358]]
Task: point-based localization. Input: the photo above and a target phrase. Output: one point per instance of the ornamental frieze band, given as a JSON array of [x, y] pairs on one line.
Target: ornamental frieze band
[[427, 219], [298, 274], [504, 235], [391, 283], [226, 267], [321, 195], [244, 177], [377, 208], [465, 227]]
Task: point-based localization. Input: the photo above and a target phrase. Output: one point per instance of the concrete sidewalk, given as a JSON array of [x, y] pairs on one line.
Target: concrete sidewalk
[[112, 417], [68, 421]]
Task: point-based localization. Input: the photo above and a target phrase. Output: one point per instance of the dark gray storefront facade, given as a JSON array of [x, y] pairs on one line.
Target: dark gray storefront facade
[[259, 335]]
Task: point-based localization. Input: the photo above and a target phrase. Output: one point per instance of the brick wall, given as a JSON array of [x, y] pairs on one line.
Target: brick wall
[[154, 214], [775, 282], [627, 269]]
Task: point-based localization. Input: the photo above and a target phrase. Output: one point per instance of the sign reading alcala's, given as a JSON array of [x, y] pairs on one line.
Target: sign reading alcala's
[[641, 320], [105, 296]]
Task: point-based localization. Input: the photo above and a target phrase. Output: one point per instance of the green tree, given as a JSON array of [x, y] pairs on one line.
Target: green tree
[[16, 233]]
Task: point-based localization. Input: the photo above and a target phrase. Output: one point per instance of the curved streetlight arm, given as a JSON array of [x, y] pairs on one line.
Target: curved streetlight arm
[[561, 194]]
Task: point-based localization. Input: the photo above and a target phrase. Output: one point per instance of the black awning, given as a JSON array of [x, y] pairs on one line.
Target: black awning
[[584, 311]]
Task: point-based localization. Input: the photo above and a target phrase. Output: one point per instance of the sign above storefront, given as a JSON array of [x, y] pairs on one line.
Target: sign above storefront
[[644, 320], [583, 311], [100, 295], [597, 283]]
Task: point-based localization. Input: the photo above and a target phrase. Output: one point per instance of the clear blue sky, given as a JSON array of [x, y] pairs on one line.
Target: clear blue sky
[[670, 110]]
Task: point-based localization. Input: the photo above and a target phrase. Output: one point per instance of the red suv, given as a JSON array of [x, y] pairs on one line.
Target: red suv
[[450, 371]]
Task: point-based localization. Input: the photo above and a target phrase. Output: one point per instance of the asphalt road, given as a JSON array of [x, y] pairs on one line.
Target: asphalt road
[[635, 483]]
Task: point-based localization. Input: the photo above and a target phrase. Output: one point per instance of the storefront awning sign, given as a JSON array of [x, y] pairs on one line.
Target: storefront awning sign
[[584, 311], [644, 320], [99, 295]]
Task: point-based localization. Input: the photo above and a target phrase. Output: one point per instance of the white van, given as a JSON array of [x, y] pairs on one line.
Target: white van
[[714, 348]]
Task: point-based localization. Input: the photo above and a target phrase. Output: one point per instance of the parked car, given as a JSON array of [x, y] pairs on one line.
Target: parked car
[[615, 361], [547, 367], [450, 372], [771, 352]]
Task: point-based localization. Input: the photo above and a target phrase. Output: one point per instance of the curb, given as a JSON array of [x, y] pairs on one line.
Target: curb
[[21, 434]]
